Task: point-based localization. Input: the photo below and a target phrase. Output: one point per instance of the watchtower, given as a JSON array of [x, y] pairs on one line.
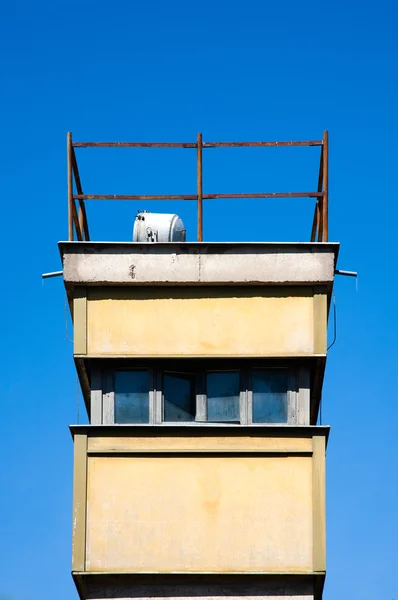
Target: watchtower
[[202, 470]]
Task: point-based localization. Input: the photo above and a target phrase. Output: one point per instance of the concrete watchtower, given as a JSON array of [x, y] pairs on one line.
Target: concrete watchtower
[[202, 471]]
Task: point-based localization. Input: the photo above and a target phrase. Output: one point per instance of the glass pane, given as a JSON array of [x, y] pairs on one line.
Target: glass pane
[[270, 395], [223, 397], [132, 397], [179, 398]]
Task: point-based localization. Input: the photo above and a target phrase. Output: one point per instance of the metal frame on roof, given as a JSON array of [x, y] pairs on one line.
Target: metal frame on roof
[[77, 216]]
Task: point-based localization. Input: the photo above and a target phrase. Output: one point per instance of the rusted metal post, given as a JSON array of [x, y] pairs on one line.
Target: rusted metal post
[[320, 221], [75, 216], [82, 209], [70, 185], [315, 222], [200, 187], [81, 219], [325, 200]]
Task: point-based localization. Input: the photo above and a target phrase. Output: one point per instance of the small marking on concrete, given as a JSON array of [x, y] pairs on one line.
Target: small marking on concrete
[[132, 271]]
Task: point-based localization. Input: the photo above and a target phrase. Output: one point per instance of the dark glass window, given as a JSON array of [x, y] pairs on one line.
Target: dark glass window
[[132, 397], [223, 391], [270, 395], [179, 397]]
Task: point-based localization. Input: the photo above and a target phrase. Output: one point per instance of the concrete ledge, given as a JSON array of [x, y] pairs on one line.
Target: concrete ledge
[[190, 587], [110, 263], [191, 429]]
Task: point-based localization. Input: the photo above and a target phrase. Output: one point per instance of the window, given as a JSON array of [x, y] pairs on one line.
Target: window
[[223, 401], [269, 390], [179, 400], [132, 397], [195, 393]]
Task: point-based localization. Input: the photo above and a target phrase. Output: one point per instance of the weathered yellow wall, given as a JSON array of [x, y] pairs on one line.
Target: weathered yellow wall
[[201, 322], [199, 513], [196, 500], [202, 443]]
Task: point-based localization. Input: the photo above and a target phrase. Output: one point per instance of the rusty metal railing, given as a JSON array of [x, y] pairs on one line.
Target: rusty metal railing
[[77, 217]]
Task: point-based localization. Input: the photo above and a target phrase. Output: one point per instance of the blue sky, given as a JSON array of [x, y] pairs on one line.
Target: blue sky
[[162, 71]]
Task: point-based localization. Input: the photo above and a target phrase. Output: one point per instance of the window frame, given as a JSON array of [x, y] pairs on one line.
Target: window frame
[[103, 390], [291, 395], [201, 398], [108, 393], [161, 373]]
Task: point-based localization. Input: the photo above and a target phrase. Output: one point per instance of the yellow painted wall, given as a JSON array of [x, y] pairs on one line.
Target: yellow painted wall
[[199, 513], [201, 322], [201, 443]]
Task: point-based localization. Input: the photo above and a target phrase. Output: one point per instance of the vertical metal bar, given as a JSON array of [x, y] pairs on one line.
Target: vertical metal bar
[[70, 185], [320, 221], [315, 223], [200, 187], [81, 219], [320, 200], [82, 208], [325, 200]]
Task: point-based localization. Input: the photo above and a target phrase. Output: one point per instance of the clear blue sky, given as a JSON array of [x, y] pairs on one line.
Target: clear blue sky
[[162, 71]]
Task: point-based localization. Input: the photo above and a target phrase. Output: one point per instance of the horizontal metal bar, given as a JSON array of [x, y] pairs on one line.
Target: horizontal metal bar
[[194, 197], [346, 273], [253, 144], [52, 274], [267, 195], [133, 145], [190, 144], [124, 197]]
